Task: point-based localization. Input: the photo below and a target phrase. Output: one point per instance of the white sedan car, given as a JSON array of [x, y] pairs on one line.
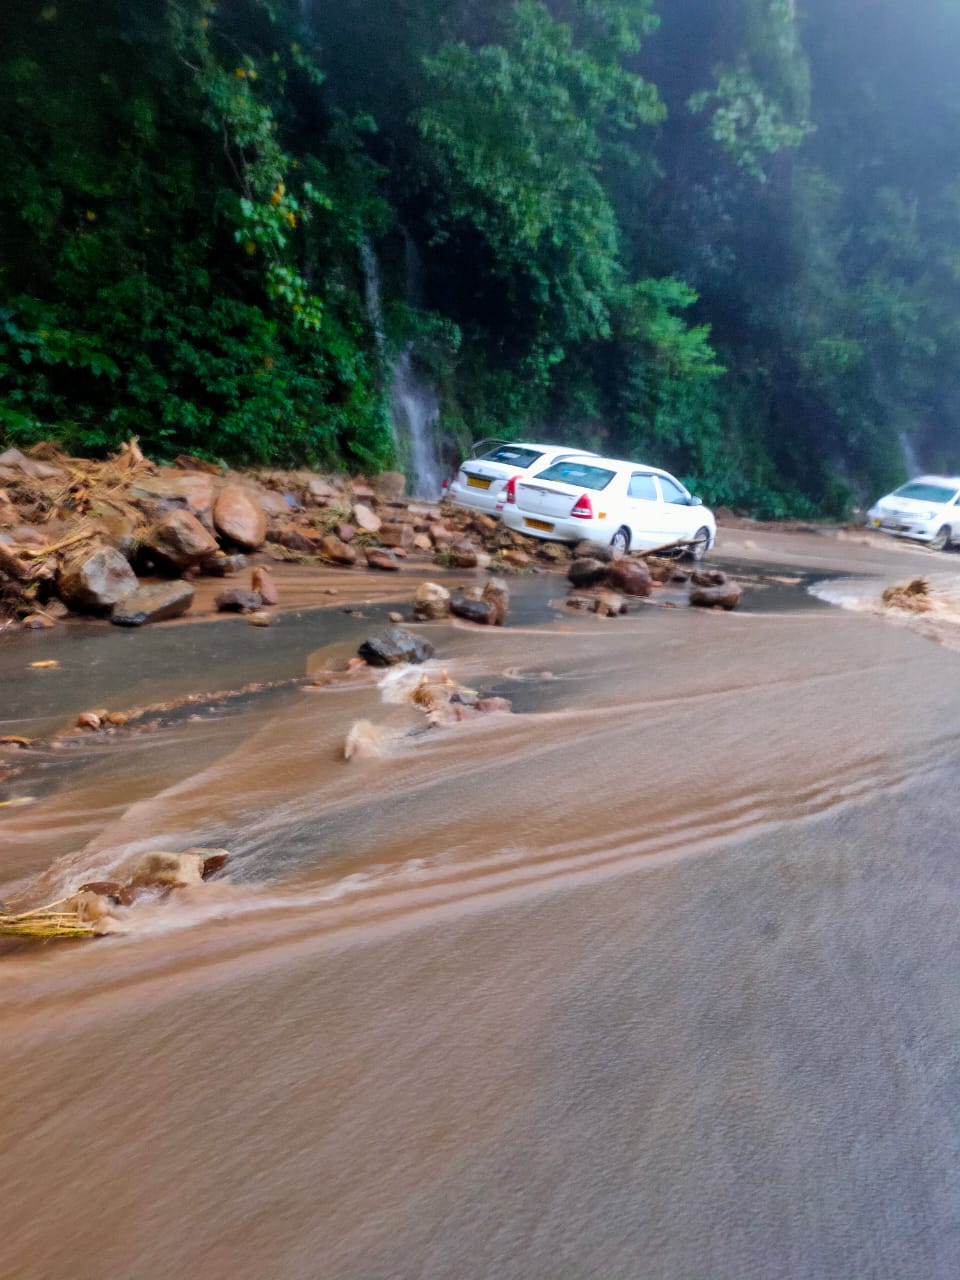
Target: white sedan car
[[480, 482], [625, 504], [927, 509]]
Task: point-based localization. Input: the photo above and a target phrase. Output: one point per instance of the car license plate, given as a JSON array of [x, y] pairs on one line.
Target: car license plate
[[545, 525], [477, 482], [876, 524]]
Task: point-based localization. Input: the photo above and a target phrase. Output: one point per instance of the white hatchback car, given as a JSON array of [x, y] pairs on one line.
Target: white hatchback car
[[625, 504], [481, 480], [927, 509]]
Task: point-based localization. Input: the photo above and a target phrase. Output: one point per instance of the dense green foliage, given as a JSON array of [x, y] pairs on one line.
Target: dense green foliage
[[723, 235]]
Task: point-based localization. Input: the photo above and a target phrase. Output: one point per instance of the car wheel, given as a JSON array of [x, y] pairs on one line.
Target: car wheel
[[942, 539], [699, 543], [621, 540]]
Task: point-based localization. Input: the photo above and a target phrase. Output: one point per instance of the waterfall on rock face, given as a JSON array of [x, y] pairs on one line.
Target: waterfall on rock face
[[414, 407], [909, 456]]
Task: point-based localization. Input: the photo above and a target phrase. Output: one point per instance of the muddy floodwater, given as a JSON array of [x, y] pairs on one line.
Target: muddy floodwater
[[655, 978]]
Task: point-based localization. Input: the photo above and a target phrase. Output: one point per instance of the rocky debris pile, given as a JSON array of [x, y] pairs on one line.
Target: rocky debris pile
[[600, 581], [78, 535], [99, 907]]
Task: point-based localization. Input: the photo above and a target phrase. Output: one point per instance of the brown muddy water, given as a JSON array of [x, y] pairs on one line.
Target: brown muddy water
[[657, 977]]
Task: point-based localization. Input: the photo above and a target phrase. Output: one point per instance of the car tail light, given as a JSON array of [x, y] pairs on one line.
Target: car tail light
[[583, 510], [510, 490]]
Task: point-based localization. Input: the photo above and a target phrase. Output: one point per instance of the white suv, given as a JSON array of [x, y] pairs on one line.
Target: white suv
[[927, 509]]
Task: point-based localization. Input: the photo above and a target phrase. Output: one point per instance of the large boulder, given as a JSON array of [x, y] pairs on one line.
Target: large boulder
[[394, 645], [171, 489], [632, 577], [238, 515], [181, 540], [153, 603], [431, 602], [93, 579], [587, 571]]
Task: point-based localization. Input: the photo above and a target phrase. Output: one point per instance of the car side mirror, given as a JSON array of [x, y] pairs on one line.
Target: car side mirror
[[694, 501]]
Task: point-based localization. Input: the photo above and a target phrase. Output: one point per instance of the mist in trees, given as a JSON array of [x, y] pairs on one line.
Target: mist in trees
[[719, 235]]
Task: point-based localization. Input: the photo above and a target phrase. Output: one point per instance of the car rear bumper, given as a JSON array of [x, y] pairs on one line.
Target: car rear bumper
[[484, 500]]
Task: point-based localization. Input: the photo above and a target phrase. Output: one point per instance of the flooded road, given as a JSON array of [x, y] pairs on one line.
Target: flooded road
[[656, 977]]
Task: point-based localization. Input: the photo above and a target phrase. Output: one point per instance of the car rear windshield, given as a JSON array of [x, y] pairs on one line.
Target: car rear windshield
[[512, 455], [578, 473], [925, 492]]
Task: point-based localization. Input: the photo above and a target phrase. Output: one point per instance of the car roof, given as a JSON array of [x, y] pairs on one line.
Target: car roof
[[951, 480], [623, 464]]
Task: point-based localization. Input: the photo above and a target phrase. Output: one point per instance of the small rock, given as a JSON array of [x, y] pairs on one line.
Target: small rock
[[88, 720], [223, 566], [396, 535], [236, 600], [421, 542], [345, 532], [335, 549], [366, 519], [587, 571], [608, 604], [725, 595], [394, 645], [321, 489], [464, 555], [580, 602], [585, 549], [117, 718], [153, 603], [238, 515], [380, 558], [479, 611], [303, 540], [181, 540], [260, 618], [431, 602], [493, 704], [497, 593], [263, 583], [36, 622], [517, 558], [393, 616]]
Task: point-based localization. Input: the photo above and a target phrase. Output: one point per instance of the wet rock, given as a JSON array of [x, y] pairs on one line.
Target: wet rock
[[322, 490], [608, 604], [223, 566], [394, 645], [275, 505], [555, 551], [587, 571], [264, 585], [302, 540], [238, 515], [497, 593], [236, 600], [36, 622], [260, 618], [390, 486], [484, 525], [153, 603], [708, 577], [585, 549], [720, 593], [473, 610], [422, 542], [488, 705], [180, 540], [464, 555], [214, 860], [362, 492], [366, 519], [380, 558], [632, 577], [345, 532], [394, 616], [516, 558], [440, 535], [431, 602], [396, 535], [93, 579], [89, 720], [335, 549], [169, 490], [582, 603]]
